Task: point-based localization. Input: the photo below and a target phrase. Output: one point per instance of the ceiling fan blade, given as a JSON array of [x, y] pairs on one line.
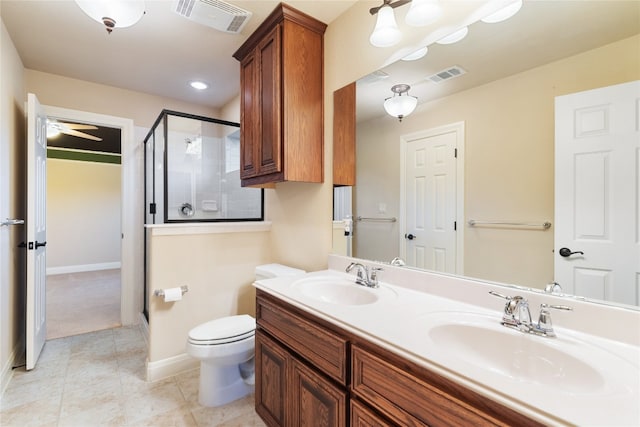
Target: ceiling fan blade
[[78, 126], [81, 135]]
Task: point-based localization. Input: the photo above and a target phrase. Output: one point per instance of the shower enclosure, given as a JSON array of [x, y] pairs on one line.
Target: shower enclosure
[[192, 172]]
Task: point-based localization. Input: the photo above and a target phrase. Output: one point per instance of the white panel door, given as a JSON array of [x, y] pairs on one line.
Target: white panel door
[[36, 331], [430, 197], [596, 196]]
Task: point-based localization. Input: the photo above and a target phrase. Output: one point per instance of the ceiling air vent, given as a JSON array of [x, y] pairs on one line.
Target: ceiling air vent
[[375, 77], [447, 74], [213, 13]]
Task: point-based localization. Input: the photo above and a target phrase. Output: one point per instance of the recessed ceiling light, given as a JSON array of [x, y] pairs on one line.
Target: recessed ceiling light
[[198, 85], [454, 37]]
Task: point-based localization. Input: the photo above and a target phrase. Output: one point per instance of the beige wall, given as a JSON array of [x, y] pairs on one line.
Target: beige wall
[[83, 214], [12, 204], [218, 269], [509, 150]]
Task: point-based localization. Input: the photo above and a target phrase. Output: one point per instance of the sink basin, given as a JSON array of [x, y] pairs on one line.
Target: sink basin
[[340, 291], [481, 342]]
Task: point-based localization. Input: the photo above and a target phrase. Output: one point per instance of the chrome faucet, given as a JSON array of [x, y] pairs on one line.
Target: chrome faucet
[[517, 316], [365, 277], [553, 288]]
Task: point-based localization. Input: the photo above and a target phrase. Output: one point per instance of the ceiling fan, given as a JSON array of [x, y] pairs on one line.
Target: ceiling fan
[[55, 127]]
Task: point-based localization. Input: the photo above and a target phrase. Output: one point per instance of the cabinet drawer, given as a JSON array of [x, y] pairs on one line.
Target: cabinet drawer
[[321, 347], [361, 416], [402, 396]]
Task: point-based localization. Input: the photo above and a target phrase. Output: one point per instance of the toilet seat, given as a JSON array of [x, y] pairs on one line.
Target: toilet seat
[[223, 331]]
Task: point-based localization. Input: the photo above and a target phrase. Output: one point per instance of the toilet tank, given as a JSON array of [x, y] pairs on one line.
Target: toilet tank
[[268, 271]]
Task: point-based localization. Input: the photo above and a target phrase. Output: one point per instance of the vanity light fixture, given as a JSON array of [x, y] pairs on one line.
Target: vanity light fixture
[[454, 37], [423, 12], [386, 32], [198, 85], [504, 13], [401, 104], [113, 13]]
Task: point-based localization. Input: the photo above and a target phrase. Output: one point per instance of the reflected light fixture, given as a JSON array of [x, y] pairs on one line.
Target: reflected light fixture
[[454, 37], [414, 56], [504, 13], [401, 104], [113, 13]]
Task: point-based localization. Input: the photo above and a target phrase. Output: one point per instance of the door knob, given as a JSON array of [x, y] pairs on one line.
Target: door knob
[[409, 236], [566, 252]]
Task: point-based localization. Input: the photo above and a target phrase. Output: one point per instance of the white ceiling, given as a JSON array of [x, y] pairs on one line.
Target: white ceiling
[[158, 55], [543, 31], [164, 51]]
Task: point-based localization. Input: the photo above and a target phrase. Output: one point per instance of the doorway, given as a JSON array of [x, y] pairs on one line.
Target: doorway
[[432, 198], [130, 212]]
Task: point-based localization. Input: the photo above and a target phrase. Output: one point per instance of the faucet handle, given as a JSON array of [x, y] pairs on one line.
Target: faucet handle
[[545, 325]]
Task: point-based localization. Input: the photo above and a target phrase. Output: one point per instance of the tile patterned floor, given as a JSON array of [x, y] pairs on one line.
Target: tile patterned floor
[[97, 379]]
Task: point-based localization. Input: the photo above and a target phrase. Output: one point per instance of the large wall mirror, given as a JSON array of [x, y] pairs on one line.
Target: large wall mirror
[[490, 100]]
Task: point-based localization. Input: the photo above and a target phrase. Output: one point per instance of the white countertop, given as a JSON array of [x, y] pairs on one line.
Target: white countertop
[[399, 321]]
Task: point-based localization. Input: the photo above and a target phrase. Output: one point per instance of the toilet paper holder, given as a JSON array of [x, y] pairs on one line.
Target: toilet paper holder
[[160, 292]]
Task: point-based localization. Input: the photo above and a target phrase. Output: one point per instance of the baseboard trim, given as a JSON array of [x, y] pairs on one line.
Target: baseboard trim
[[7, 369], [82, 268], [165, 368]]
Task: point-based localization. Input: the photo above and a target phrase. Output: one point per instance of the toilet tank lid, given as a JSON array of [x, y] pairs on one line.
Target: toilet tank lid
[[224, 327], [277, 270]]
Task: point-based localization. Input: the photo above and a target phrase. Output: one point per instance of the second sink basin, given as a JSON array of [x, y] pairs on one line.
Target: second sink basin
[[340, 291], [566, 364]]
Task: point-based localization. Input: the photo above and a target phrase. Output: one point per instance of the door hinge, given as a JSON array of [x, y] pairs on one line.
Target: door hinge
[[152, 208], [455, 153], [455, 225]]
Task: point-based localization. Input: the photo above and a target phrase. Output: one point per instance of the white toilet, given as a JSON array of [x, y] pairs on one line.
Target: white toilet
[[226, 348]]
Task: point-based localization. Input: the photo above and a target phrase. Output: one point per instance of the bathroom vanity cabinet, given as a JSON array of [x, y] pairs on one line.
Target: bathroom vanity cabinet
[[311, 372], [281, 100]]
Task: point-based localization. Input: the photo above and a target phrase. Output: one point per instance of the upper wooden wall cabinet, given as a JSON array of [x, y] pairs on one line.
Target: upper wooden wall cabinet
[[344, 135], [281, 103]]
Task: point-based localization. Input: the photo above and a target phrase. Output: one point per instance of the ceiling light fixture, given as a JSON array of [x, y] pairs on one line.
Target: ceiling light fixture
[[401, 104], [386, 32], [504, 13], [113, 13], [454, 37], [198, 85]]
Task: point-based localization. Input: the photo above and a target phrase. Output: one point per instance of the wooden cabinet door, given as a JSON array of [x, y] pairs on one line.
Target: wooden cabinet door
[[315, 401], [272, 365], [361, 416], [249, 117], [269, 147]]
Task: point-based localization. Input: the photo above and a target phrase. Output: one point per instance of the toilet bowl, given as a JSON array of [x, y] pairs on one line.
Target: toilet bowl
[[225, 348]]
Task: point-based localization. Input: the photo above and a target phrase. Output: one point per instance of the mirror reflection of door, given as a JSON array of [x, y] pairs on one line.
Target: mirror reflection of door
[[597, 188], [430, 202]]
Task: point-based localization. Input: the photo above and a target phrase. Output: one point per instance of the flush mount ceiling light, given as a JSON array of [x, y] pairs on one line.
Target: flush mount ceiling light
[[198, 85], [386, 32], [454, 37], [504, 13], [113, 13], [401, 104]]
